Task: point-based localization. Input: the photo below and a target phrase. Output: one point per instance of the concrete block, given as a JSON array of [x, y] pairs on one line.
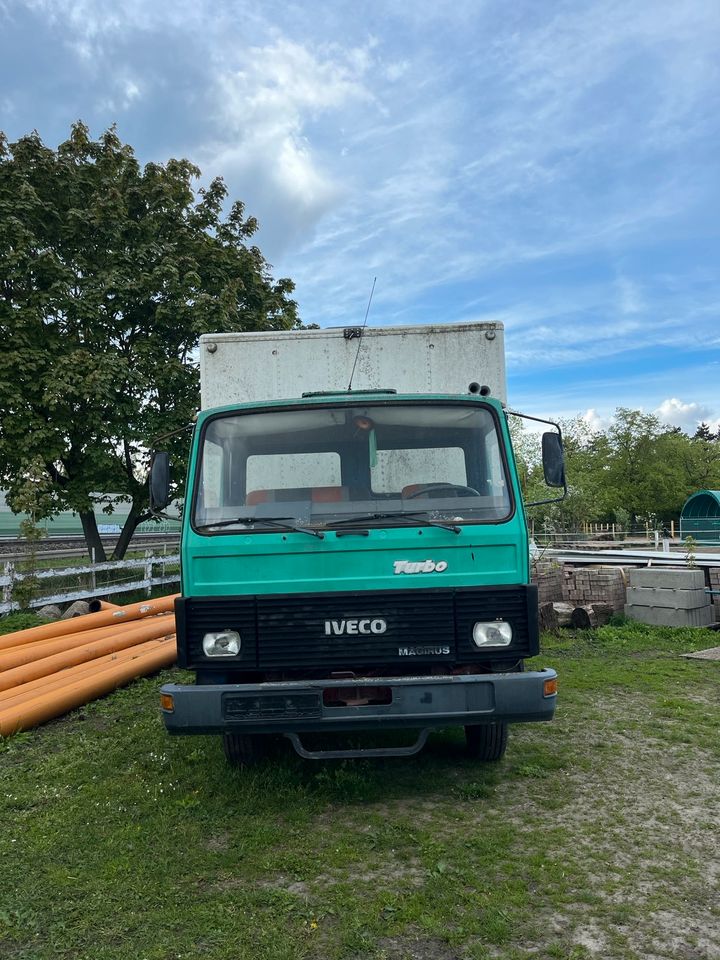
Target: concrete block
[[677, 579], [665, 597], [667, 617]]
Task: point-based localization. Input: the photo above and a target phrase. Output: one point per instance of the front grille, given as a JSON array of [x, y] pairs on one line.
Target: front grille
[[294, 629], [363, 629]]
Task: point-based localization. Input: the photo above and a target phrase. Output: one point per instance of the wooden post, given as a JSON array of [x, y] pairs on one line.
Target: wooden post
[[10, 574], [672, 529], [148, 573]]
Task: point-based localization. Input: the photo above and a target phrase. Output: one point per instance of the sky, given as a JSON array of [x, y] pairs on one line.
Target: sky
[[553, 166]]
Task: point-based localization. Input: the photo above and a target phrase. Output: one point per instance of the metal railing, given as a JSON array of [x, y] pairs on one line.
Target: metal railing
[[91, 580]]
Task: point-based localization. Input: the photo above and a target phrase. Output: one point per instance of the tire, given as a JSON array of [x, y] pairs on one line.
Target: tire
[[244, 750], [487, 741]]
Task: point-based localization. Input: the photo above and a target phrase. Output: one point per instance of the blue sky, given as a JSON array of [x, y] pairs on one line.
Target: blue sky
[[551, 165]]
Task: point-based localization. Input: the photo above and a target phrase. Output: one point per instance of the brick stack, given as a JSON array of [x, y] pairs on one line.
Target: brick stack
[[549, 579], [715, 585], [586, 585]]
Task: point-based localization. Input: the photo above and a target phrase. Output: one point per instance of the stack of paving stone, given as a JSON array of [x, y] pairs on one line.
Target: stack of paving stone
[[586, 585], [549, 579], [666, 597]]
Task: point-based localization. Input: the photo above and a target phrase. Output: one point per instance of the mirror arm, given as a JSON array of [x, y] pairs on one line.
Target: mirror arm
[[159, 514], [173, 433], [552, 423], [539, 503], [526, 416]]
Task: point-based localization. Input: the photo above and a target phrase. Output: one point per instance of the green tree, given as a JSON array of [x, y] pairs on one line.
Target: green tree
[[640, 477], [704, 432], [635, 468], [700, 460], [585, 456], [109, 273]]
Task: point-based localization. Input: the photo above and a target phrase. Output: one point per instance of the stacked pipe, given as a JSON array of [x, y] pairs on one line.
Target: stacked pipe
[[47, 670]]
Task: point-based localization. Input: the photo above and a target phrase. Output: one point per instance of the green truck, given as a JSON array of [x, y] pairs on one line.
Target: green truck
[[354, 546]]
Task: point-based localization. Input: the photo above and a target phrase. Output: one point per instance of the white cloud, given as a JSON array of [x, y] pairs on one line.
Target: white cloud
[[264, 110], [629, 296], [595, 421], [475, 172], [125, 93], [687, 416], [530, 164]]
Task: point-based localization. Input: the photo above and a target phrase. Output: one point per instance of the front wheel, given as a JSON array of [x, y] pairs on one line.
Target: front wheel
[[487, 741], [245, 750]]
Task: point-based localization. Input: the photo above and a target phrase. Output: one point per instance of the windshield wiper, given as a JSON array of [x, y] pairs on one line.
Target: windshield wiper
[[270, 521], [419, 516]]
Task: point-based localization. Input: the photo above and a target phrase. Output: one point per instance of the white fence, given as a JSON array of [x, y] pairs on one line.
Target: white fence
[[152, 571]]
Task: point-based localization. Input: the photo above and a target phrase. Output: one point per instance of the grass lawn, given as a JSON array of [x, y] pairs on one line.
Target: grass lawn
[[596, 836]]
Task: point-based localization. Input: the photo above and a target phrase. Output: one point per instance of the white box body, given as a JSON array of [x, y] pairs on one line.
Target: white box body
[[272, 365]]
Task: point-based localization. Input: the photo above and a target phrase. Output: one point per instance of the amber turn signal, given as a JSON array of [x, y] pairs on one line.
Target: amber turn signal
[[550, 687], [167, 702]]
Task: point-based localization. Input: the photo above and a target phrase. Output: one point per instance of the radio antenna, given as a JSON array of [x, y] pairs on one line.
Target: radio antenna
[[360, 338]]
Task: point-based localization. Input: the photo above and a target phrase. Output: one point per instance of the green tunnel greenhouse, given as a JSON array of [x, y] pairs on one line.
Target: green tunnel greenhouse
[[700, 517]]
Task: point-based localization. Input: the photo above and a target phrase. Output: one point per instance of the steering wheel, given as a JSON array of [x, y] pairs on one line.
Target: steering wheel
[[456, 489]]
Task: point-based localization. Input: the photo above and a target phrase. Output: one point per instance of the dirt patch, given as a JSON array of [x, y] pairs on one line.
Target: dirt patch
[[415, 948], [218, 842], [390, 875], [713, 653], [627, 813], [630, 815]]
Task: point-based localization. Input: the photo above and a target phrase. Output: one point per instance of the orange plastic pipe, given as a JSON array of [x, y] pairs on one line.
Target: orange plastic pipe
[[23, 671], [44, 648], [59, 628], [56, 702], [97, 605], [32, 652], [32, 689]]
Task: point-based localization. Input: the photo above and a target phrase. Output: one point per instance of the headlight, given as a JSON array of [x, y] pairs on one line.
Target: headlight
[[498, 633], [224, 643]]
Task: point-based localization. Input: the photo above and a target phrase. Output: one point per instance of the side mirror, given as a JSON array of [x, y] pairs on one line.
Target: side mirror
[[553, 459], [159, 481]]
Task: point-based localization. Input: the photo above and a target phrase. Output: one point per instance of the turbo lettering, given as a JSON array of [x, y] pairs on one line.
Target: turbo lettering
[[419, 566]]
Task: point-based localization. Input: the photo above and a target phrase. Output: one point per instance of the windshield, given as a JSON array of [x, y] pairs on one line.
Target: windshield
[[320, 466]]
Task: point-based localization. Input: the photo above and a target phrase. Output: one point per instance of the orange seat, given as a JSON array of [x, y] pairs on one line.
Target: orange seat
[[328, 494], [315, 494], [258, 496]]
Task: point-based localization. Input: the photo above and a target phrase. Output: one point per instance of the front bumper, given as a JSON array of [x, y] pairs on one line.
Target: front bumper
[[298, 706]]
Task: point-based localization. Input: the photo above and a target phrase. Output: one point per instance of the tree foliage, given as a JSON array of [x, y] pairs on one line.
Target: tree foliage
[[635, 469], [109, 273]]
